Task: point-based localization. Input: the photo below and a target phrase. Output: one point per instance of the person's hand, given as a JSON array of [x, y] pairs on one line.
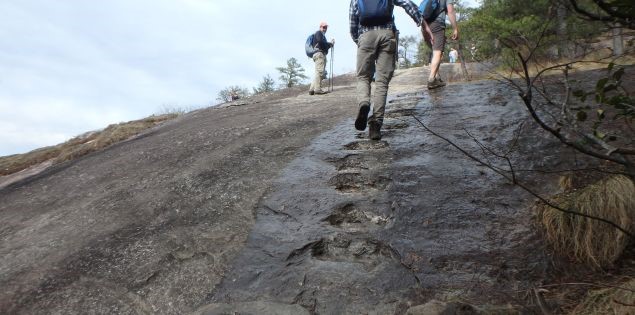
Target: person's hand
[[333, 41], [455, 34]]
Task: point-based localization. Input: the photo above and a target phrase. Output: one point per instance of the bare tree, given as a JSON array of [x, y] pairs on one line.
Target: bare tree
[[232, 93], [405, 43]]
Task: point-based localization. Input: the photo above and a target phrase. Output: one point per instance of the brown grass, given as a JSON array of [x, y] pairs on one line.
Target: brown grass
[[615, 300], [590, 241], [81, 145]]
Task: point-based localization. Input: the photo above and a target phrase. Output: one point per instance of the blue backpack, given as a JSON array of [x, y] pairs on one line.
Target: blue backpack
[[429, 9], [375, 12], [308, 46]]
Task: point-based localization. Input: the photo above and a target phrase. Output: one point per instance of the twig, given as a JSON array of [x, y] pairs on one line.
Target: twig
[[503, 157], [604, 286], [622, 303], [591, 169]]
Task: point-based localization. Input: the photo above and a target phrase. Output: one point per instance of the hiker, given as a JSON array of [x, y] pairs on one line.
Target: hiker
[[374, 32], [319, 57], [453, 55], [437, 40]]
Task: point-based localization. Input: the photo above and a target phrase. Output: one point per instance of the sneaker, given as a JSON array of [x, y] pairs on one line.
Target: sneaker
[[436, 83], [362, 116], [311, 92], [374, 131], [320, 92]]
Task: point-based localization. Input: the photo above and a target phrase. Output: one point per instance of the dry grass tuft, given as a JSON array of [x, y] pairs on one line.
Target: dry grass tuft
[[565, 183], [81, 145], [615, 300], [590, 241]]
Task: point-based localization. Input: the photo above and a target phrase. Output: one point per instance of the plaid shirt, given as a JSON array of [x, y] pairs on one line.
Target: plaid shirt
[[357, 29]]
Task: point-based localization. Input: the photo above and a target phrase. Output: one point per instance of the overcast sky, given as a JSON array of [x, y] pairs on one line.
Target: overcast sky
[[72, 66]]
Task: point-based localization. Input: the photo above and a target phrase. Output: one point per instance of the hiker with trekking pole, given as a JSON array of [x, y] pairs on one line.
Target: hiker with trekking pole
[[372, 27], [317, 48]]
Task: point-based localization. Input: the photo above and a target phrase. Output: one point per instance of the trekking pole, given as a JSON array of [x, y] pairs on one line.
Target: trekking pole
[[331, 80]]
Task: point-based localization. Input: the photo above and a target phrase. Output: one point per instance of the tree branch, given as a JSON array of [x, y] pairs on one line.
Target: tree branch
[[527, 99], [588, 284], [612, 15], [521, 185]]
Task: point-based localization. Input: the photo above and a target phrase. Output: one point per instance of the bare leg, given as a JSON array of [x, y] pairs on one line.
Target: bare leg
[[434, 65]]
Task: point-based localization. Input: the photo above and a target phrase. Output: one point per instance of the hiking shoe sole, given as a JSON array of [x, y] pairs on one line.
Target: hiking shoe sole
[[362, 117], [435, 85]]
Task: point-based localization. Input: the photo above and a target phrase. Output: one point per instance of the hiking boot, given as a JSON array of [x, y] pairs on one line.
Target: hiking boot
[[311, 92], [362, 116], [374, 131], [436, 83], [320, 92]]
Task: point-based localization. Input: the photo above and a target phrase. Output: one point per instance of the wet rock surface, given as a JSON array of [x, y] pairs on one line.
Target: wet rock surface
[[151, 225], [281, 207], [358, 227]]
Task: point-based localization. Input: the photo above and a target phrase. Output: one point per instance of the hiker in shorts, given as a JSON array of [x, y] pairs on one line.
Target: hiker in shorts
[[374, 32], [319, 57], [437, 40]]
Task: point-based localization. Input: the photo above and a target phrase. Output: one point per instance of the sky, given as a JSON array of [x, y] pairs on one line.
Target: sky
[[73, 66]]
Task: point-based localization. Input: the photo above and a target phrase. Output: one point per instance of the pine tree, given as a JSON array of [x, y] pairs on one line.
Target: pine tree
[[266, 85], [292, 74]]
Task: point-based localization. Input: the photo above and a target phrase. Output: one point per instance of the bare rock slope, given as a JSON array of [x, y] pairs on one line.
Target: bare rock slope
[[278, 206]]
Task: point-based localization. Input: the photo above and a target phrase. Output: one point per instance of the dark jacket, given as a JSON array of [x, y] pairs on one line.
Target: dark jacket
[[320, 42]]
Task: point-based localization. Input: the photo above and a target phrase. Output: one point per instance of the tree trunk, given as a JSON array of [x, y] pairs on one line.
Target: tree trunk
[[397, 45], [466, 76], [561, 31], [618, 43]]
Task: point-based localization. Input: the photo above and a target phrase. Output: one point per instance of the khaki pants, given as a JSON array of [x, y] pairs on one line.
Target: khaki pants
[[375, 53], [320, 66]]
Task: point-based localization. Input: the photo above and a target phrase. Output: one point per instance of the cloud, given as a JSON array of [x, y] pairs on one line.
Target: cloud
[[50, 121]]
